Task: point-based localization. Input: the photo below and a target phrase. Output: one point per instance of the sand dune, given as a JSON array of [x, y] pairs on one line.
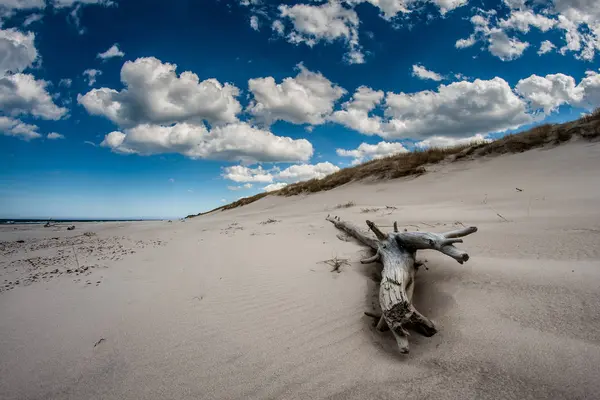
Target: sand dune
[[226, 307]]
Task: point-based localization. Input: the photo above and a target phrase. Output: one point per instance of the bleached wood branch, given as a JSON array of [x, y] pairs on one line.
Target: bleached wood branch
[[397, 251]]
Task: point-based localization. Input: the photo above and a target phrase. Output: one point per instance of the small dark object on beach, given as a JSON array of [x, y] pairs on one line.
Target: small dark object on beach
[[20, 241], [70, 228]]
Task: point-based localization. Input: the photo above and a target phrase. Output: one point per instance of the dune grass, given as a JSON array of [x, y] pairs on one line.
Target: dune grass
[[413, 163]]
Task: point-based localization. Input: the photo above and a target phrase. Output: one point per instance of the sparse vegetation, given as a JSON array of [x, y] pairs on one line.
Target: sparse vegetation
[[369, 210], [414, 163], [269, 221], [345, 205], [337, 263]]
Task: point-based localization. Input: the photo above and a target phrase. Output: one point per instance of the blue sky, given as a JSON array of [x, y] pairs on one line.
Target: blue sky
[[161, 109]]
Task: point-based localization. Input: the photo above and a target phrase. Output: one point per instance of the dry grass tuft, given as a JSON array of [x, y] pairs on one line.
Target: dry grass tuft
[[345, 205], [270, 221], [337, 263]]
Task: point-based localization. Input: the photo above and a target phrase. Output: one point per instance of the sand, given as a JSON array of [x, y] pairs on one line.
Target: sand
[[225, 307]]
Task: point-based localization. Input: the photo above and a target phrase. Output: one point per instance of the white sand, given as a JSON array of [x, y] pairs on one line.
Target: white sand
[[210, 310]]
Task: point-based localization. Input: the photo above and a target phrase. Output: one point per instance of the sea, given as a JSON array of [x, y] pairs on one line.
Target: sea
[[58, 221]]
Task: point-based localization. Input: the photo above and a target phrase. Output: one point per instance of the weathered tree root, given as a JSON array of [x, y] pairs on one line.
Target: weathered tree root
[[397, 251]]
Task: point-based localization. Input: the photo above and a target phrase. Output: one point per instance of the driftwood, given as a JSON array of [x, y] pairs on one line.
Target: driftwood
[[397, 251]]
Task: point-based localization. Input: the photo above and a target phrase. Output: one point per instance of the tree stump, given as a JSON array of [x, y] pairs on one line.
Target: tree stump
[[397, 251]]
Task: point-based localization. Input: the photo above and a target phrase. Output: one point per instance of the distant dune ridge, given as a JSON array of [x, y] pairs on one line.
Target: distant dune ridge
[[414, 163], [267, 301]]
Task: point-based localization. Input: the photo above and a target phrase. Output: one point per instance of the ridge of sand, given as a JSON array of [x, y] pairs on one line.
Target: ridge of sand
[[224, 307]]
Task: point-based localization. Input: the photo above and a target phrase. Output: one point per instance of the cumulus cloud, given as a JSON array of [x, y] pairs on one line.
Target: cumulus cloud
[[9, 7], [22, 94], [550, 92], [327, 22], [504, 47], [91, 75], [308, 98], [54, 136], [234, 142], [65, 82], [155, 94], [522, 20], [445, 141], [304, 172], [292, 174], [275, 186], [367, 151], [578, 20], [458, 109], [17, 50], [240, 173], [391, 8], [254, 23], [498, 42], [240, 187], [423, 73], [112, 52], [546, 47], [14, 127], [355, 113]]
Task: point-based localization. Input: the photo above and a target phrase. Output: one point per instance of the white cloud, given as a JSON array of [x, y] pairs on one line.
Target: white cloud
[[458, 109], [155, 94], [545, 47], [367, 151], [549, 92], [234, 142], [307, 98], [240, 187], [579, 20], [278, 27], [522, 20], [327, 22], [304, 172], [55, 135], [552, 91], [240, 173], [292, 174], [31, 19], [9, 7], [464, 43], [91, 75], [22, 94], [423, 73], [503, 47], [355, 113], [590, 86], [17, 50], [71, 3], [112, 52], [254, 23], [391, 8], [275, 186], [14, 127], [65, 82], [445, 141], [498, 42]]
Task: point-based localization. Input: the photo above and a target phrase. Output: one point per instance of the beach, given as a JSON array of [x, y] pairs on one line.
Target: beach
[[241, 304]]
